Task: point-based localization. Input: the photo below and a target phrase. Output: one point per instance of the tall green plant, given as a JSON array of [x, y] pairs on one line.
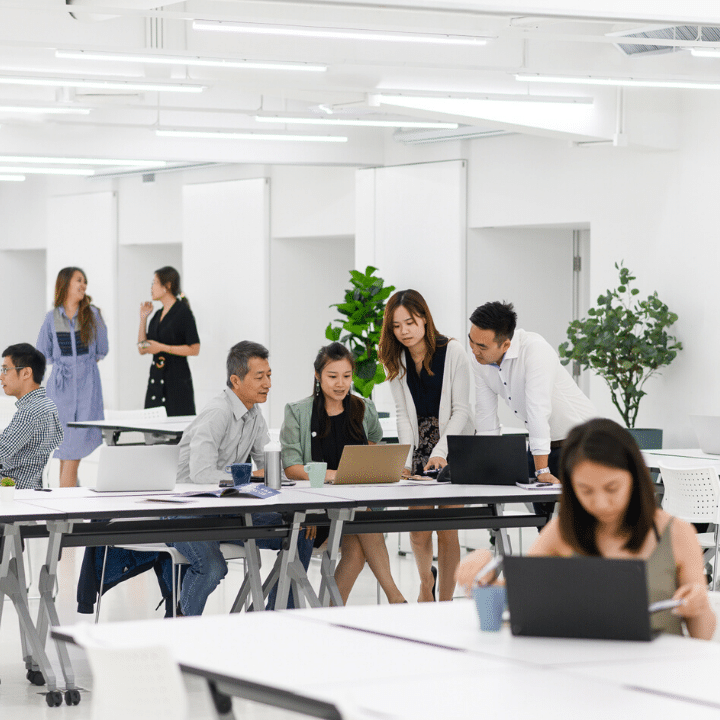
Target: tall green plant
[[363, 310], [625, 341]]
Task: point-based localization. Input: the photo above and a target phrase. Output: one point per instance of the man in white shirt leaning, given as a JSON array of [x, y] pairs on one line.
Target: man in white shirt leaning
[[524, 370]]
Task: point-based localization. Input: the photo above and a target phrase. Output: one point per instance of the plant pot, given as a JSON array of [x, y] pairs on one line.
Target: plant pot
[[7, 493], [647, 438]]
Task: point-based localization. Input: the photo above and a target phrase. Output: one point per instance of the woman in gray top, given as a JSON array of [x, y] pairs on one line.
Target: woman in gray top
[[316, 429]]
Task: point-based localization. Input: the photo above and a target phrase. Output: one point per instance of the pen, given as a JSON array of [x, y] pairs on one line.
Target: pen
[[43, 489], [494, 564]]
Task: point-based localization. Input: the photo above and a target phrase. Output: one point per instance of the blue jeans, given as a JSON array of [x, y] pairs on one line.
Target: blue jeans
[[208, 566]]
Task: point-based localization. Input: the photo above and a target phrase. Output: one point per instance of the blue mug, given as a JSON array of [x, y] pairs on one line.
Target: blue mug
[[241, 473]]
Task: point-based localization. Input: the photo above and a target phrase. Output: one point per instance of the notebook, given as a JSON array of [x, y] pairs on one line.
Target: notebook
[[364, 464], [578, 597], [488, 459], [137, 467], [707, 429]]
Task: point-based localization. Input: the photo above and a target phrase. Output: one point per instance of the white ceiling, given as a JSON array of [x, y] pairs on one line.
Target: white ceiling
[[462, 84]]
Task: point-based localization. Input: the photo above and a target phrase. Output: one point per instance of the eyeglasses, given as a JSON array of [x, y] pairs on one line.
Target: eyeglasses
[[5, 370]]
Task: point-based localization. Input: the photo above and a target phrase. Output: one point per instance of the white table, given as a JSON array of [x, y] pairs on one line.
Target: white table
[[155, 431], [375, 674], [681, 458]]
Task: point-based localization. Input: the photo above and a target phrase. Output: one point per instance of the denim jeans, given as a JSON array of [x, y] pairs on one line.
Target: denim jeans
[[208, 566]]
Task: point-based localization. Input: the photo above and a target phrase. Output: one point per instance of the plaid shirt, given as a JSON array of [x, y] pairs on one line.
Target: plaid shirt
[[26, 443]]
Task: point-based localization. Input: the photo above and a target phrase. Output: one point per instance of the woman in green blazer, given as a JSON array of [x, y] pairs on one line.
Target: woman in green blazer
[[316, 429]]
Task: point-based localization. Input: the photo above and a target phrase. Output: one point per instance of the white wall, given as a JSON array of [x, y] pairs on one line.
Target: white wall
[[225, 259], [136, 266], [23, 273], [306, 277]]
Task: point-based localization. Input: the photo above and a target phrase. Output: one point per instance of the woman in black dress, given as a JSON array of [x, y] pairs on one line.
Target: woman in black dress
[[171, 337]]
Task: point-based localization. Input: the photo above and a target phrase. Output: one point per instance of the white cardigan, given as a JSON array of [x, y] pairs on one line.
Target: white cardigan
[[455, 417]]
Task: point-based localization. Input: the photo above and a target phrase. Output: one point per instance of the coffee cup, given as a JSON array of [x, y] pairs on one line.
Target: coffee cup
[[241, 473], [316, 472]]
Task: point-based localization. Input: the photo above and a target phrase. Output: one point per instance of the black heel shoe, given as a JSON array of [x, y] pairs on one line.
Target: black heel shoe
[[433, 570]]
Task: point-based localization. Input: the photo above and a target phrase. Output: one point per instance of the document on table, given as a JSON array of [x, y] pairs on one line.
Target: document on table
[[539, 486]]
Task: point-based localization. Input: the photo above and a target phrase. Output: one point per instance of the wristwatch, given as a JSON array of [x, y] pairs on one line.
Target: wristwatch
[[541, 471]]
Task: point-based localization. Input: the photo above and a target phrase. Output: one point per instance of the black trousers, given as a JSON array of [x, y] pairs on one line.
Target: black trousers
[[545, 508]]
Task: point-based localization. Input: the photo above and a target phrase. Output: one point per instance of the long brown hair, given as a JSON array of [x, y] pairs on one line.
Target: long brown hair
[[85, 316], [604, 442], [353, 405], [390, 349]]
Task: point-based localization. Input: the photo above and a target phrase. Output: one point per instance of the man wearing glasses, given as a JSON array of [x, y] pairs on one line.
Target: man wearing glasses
[[34, 431]]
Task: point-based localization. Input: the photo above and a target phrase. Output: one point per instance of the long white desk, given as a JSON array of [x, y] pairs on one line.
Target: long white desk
[[155, 431], [682, 458], [374, 673]]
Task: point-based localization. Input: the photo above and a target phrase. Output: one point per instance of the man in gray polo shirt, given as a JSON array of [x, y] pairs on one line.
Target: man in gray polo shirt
[[227, 430]]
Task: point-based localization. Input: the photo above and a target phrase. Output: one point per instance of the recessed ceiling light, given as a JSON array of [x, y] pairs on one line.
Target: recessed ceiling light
[[44, 110], [338, 33], [356, 122], [705, 52], [111, 162], [190, 61], [46, 171], [619, 82], [101, 84], [11, 178], [231, 135]]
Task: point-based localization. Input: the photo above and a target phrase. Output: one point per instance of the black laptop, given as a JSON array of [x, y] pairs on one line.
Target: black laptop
[[488, 459], [578, 597]]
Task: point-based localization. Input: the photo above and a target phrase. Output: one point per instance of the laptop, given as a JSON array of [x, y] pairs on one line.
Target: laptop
[[137, 468], [488, 459], [707, 429], [578, 597], [365, 464]]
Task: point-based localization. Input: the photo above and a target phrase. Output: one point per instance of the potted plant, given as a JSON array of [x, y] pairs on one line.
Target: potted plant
[[360, 330], [625, 341], [7, 489]]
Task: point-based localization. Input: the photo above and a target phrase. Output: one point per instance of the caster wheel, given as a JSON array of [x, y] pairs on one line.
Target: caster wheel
[[35, 677], [72, 697], [54, 698]]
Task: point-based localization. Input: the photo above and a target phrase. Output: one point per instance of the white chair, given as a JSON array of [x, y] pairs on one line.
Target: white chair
[[693, 495], [714, 598]]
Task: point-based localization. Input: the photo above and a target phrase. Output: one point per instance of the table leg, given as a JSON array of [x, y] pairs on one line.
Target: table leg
[[252, 583], [291, 570], [12, 584], [222, 703], [328, 587], [502, 537]]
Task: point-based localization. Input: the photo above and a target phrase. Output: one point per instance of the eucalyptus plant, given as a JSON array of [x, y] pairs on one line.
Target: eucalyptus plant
[[625, 341], [363, 309]]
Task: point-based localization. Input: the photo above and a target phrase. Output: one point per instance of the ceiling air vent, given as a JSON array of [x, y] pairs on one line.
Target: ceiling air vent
[[673, 32]]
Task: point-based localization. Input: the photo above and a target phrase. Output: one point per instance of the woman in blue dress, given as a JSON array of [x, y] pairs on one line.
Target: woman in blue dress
[[74, 339]]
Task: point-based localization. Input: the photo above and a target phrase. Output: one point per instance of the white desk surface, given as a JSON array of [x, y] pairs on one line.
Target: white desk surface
[[455, 625], [370, 675], [22, 509], [170, 425], [682, 458], [402, 492]]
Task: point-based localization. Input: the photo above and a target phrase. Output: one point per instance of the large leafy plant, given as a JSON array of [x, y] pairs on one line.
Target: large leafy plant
[[625, 341], [363, 309]]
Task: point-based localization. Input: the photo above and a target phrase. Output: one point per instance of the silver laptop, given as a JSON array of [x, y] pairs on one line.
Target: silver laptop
[[707, 429], [365, 464], [137, 468]]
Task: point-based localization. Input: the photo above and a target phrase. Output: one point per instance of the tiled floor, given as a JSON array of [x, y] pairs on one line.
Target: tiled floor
[[137, 599]]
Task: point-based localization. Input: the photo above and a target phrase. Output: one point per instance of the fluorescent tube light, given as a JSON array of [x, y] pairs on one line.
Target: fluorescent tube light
[[222, 135], [338, 33], [44, 110], [705, 52], [619, 82], [357, 123], [111, 162], [11, 178], [101, 84], [46, 171], [190, 61]]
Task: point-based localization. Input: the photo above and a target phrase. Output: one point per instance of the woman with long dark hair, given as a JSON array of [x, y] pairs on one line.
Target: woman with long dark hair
[[429, 377], [608, 509], [74, 339], [316, 429], [171, 338]]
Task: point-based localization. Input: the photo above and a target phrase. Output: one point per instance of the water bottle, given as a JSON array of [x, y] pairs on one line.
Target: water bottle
[[273, 475]]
